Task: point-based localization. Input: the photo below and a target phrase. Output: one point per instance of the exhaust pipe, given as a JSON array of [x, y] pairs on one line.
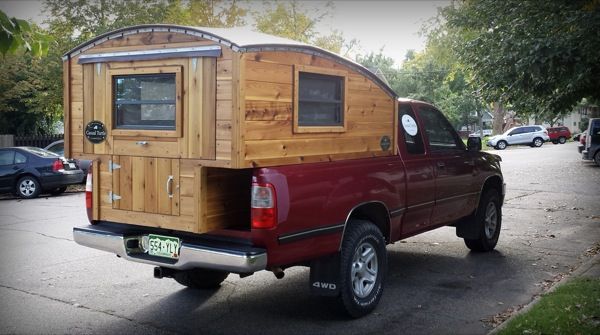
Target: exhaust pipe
[[160, 272]]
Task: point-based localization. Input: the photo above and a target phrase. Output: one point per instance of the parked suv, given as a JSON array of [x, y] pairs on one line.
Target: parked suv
[[591, 150], [534, 136], [559, 134]]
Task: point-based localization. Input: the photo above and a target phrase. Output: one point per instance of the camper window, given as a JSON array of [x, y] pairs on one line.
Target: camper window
[[144, 101], [319, 100]]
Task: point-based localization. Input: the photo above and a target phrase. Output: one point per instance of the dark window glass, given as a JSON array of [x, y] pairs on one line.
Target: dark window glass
[[414, 143], [20, 158], [144, 101], [7, 157], [440, 133], [320, 100]]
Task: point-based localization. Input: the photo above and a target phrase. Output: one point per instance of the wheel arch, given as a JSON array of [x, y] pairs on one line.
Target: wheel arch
[[373, 211], [495, 182]]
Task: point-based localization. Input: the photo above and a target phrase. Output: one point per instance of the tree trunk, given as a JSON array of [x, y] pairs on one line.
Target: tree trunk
[[497, 125]]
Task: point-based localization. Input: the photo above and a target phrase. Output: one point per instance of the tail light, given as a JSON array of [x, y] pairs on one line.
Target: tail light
[[582, 139], [264, 206], [88, 193], [57, 165]]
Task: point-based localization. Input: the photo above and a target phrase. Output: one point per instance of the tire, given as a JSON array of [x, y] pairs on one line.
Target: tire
[[501, 145], [554, 142], [537, 142], [201, 278], [489, 221], [597, 158], [562, 140], [28, 187], [363, 267], [58, 190]]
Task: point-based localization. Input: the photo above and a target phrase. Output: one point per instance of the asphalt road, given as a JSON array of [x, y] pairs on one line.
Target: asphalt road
[[48, 284]]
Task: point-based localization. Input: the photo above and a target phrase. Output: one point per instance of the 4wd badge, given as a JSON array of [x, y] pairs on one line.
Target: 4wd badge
[[95, 132]]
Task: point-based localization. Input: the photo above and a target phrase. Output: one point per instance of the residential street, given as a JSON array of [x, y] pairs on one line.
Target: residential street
[[551, 224]]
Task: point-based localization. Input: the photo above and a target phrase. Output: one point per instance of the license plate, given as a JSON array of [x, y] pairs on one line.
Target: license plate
[[163, 246], [72, 165]]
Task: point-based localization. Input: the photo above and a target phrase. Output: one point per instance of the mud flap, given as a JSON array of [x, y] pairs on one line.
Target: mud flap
[[324, 276], [468, 228]]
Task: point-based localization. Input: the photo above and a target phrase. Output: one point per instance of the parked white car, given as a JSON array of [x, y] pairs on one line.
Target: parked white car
[[486, 132], [534, 136]]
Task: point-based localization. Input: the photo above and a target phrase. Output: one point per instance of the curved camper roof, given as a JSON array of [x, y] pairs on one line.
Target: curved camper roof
[[238, 39]]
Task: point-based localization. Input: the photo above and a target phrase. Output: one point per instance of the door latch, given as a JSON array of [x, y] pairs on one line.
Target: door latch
[[112, 196], [113, 166]]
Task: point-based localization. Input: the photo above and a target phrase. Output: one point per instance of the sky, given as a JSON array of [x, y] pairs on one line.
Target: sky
[[393, 25]]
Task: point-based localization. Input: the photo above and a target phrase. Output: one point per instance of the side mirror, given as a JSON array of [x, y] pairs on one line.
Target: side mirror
[[474, 143]]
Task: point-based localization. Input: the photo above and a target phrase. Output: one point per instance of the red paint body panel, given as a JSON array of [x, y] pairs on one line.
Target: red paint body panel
[[419, 192]]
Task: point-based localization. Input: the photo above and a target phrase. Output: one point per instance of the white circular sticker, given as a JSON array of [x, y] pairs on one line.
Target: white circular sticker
[[409, 124]]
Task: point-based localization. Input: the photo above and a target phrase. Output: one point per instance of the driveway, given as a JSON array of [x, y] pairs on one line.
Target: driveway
[[551, 224]]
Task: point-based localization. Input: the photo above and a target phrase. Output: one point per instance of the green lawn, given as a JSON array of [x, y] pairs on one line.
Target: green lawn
[[573, 308]]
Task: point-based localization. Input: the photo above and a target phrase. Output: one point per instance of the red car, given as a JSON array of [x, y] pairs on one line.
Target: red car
[[559, 134]]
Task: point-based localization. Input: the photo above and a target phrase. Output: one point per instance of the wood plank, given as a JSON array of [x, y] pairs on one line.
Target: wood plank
[[194, 111], [309, 147], [268, 110], [186, 186], [264, 91], [224, 90], [137, 183], [187, 206], [76, 93], [269, 72], [76, 143], [151, 149], [163, 167], [126, 182], [88, 102], [176, 199], [224, 108], [149, 66], [115, 176], [224, 130], [236, 149], [223, 150], [224, 69], [100, 104], [209, 94], [180, 223], [270, 130], [314, 158], [150, 185]]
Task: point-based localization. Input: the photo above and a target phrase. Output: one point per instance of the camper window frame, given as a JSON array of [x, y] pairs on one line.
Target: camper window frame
[[318, 128], [142, 130]]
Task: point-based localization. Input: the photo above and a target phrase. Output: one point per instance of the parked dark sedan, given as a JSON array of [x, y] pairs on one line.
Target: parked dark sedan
[[29, 171], [58, 147]]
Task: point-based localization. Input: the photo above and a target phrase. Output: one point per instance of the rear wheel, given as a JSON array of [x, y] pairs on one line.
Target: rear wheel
[[562, 140], [537, 142], [28, 187], [488, 220], [597, 158], [363, 268], [200, 278], [501, 145]]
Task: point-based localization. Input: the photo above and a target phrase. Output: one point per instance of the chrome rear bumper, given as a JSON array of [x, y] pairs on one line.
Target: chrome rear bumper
[[222, 256]]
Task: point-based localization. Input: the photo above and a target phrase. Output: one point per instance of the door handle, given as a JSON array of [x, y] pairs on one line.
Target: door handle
[[170, 186], [141, 143], [471, 163]]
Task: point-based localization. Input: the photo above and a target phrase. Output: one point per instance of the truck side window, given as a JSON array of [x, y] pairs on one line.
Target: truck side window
[[440, 133], [414, 142]]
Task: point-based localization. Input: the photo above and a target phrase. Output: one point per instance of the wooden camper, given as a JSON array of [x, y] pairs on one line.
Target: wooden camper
[[176, 115]]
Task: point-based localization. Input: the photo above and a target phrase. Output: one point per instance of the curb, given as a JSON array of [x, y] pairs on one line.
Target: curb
[[589, 268]]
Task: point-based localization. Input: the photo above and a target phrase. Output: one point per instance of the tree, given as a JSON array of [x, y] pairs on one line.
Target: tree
[[541, 57], [17, 35], [291, 20]]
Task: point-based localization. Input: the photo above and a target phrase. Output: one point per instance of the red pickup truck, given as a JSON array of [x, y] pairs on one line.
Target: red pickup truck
[[337, 217]]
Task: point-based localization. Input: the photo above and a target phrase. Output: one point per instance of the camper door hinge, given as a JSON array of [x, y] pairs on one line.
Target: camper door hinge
[[113, 166], [112, 197]]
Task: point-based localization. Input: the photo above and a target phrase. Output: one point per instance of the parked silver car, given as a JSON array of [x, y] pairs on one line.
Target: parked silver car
[[534, 136]]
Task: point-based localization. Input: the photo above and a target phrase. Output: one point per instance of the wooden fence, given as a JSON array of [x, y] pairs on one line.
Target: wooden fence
[[39, 141]]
